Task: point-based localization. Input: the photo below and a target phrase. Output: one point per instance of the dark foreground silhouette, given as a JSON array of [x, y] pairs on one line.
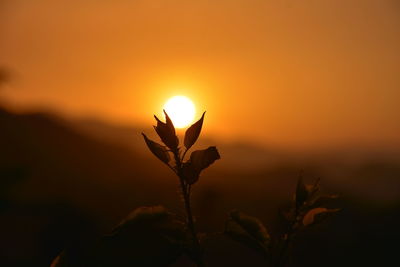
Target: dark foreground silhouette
[[61, 188]]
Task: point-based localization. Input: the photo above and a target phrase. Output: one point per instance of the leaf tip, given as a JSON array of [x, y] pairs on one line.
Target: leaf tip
[[157, 119]]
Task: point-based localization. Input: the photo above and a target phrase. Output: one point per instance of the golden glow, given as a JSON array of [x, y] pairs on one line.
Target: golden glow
[[181, 110], [255, 86]]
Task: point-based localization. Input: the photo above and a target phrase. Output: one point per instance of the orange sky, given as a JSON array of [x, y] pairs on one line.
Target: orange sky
[[295, 73]]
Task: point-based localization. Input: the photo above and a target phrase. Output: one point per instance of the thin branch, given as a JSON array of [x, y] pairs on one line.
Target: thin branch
[[186, 197], [282, 259], [184, 154], [172, 168]]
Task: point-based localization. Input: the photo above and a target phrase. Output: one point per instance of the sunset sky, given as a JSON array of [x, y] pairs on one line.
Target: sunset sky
[[291, 73]]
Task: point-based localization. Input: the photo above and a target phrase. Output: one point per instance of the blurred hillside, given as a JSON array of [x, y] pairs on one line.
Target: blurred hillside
[[66, 182]]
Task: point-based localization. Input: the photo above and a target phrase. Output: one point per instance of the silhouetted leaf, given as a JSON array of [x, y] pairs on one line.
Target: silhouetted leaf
[[189, 173], [193, 133], [166, 131], [316, 215], [199, 160], [158, 150], [248, 230], [149, 236], [252, 225], [144, 215]]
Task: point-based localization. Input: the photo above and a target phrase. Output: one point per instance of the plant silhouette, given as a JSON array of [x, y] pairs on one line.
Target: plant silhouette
[[188, 171], [153, 236], [307, 210]]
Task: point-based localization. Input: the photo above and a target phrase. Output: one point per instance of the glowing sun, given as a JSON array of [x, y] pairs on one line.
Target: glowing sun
[[181, 110]]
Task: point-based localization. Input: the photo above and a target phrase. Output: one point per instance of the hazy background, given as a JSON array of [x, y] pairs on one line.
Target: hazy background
[[287, 85], [291, 73]]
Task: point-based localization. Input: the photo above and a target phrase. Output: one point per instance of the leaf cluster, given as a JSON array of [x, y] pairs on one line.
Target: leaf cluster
[[249, 231], [309, 205], [199, 160], [308, 209]]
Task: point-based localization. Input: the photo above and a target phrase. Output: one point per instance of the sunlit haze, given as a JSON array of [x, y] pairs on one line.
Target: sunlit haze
[[181, 111], [281, 73]]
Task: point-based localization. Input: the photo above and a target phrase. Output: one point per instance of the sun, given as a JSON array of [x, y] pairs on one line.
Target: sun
[[181, 110]]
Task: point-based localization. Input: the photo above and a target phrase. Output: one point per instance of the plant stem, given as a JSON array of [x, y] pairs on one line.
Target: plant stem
[[188, 209], [282, 259], [184, 153]]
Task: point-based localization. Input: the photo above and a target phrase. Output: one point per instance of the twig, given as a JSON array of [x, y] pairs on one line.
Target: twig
[[186, 199]]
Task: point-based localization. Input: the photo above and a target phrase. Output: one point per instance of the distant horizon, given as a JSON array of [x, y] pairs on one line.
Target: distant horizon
[[353, 150], [293, 74]]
